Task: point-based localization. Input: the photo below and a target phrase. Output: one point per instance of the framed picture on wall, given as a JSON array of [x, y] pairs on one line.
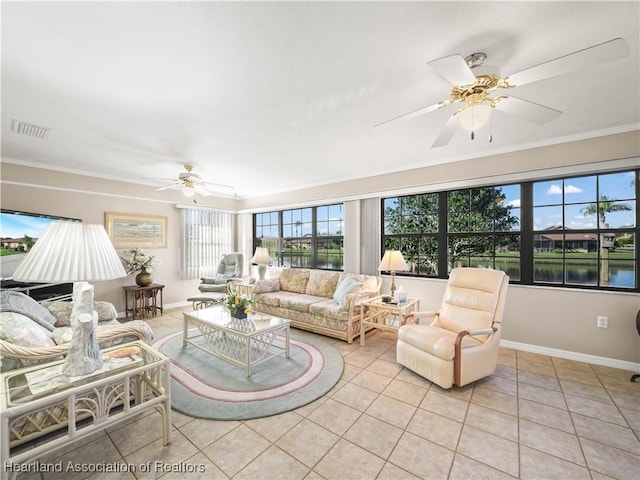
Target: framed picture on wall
[[129, 230]]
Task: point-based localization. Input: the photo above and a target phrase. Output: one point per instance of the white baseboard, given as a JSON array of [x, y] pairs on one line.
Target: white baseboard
[[579, 357]]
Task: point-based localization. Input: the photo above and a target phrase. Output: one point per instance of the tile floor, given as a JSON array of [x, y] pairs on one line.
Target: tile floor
[[536, 417]]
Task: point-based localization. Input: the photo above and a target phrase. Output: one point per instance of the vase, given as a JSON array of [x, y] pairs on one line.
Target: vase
[[239, 314], [144, 279]]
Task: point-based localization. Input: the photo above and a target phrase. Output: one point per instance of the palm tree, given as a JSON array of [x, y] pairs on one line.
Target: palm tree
[[603, 207]]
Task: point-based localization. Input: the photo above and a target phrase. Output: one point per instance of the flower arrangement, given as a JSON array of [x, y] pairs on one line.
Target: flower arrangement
[[237, 304], [138, 261]]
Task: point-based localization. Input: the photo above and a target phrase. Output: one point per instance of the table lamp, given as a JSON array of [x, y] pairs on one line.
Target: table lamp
[[393, 262], [75, 252], [261, 257]]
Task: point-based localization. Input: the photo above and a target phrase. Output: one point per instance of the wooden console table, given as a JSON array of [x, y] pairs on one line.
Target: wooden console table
[[143, 300]]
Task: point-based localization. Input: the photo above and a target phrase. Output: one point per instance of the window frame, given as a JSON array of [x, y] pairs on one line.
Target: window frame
[[526, 232], [315, 239]]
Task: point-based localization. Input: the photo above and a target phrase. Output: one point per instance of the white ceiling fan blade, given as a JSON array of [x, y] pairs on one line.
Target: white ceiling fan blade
[[201, 190], [455, 69], [171, 185], [415, 113], [592, 56], [217, 186], [531, 111], [447, 132]]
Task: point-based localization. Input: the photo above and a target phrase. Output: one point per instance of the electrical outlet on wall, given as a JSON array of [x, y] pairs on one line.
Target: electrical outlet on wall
[[602, 321]]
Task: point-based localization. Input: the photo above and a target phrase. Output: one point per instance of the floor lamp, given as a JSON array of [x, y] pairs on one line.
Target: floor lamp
[[75, 252]]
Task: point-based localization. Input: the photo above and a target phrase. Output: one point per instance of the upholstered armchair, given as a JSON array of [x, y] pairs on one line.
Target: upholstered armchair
[[229, 269], [459, 343]]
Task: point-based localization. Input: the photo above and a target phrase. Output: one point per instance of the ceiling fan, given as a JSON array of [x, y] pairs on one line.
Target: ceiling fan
[[191, 183], [480, 89]]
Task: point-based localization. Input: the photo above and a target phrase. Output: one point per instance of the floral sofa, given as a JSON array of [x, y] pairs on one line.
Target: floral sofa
[[32, 332], [320, 301]]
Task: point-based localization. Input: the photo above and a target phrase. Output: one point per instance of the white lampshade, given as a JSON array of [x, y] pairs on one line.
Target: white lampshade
[[393, 261], [474, 116], [261, 256], [71, 252]]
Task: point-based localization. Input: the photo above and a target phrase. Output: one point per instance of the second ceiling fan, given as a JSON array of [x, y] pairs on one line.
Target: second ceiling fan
[[481, 89], [191, 183]]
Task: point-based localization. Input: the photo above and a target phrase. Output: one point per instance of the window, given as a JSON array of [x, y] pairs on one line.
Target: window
[[411, 226], [483, 226], [308, 237], [584, 231], [579, 231], [207, 235]]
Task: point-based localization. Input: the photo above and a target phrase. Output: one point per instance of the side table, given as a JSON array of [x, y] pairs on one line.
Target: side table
[[385, 316], [38, 400], [143, 300]]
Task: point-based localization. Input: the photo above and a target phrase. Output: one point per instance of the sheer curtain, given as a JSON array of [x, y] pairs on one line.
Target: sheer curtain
[[206, 236]]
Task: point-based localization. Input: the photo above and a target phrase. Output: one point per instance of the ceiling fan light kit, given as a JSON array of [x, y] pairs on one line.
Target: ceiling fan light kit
[[473, 84]]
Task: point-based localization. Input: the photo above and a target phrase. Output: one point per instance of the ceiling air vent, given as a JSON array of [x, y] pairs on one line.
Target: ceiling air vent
[[30, 129]]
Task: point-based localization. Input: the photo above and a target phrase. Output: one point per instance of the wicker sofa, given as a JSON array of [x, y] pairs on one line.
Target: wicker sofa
[[320, 301], [32, 332]]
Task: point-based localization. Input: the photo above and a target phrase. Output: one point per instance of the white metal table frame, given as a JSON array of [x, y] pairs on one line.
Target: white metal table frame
[[376, 312], [241, 342], [105, 399]]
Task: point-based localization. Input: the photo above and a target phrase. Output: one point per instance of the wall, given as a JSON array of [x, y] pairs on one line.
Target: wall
[[43, 191], [563, 320], [544, 318], [555, 320]]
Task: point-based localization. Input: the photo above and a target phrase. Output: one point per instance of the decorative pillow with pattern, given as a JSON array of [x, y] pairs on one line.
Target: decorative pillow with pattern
[[269, 285], [62, 311], [21, 330]]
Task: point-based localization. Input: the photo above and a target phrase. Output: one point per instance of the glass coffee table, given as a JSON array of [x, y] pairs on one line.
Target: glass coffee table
[[242, 342]]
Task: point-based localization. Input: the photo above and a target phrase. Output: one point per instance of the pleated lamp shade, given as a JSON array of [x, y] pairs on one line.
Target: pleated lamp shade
[[261, 256], [393, 261], [71, 252]]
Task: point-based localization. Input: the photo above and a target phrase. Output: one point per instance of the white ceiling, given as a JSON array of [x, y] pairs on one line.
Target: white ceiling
[[270, 96]]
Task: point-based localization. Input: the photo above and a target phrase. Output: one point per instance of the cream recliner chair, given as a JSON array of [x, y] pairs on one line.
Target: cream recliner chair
[[460, 343]]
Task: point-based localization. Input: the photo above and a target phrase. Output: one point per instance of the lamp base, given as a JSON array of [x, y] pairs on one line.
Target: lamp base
[[84, 355], [261, 271]]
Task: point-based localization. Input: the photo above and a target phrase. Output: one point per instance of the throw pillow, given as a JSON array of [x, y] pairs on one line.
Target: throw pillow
[[269, 285], [21, 330], [25, 305], [347, 285]]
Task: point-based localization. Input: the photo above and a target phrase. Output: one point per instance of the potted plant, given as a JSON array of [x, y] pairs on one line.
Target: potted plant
[[140, 262], [238, 305]]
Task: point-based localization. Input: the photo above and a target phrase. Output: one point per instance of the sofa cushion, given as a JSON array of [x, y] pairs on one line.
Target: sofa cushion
[[273, 298], [328, 308], [23, 304], [322, 283], [294, 280], [21, 330], [299, 303]]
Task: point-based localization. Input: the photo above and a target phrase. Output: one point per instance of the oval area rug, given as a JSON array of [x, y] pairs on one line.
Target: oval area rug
[[204, 386]]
